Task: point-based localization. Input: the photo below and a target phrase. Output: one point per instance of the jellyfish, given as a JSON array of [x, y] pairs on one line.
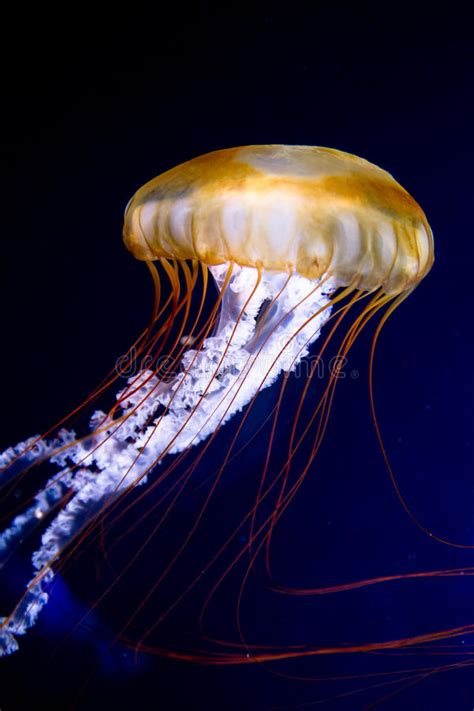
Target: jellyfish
[[295, 239]]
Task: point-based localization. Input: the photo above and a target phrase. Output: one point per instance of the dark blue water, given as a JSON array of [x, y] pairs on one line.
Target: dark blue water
[[89, 119]]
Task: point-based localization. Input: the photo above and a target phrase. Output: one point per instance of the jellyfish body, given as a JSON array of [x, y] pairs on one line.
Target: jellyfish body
[[313, 210], [282, 230]]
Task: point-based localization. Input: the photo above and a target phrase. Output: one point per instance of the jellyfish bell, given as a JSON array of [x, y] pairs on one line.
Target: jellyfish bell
[[293, 237], [313, 210]]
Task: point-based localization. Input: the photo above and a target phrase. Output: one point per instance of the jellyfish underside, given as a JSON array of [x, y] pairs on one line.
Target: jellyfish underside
[[267, 316]]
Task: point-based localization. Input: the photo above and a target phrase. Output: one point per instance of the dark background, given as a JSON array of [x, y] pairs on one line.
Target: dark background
[[92, 108]]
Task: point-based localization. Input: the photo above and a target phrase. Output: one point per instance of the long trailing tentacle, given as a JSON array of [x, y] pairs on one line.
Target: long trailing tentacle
[[155, 417]]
